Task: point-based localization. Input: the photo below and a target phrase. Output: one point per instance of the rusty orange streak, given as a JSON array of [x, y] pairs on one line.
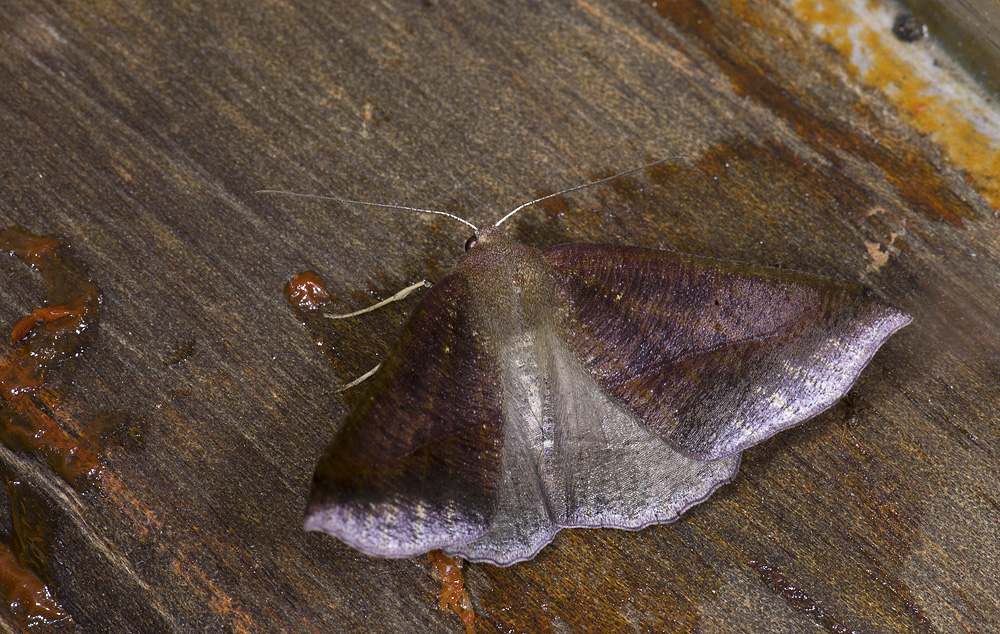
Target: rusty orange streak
[[448, 571]]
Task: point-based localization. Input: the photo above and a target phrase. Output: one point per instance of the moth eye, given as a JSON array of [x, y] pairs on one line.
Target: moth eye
[[471, 242]]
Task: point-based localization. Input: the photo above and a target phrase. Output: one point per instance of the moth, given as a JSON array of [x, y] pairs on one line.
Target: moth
[[585, 385]]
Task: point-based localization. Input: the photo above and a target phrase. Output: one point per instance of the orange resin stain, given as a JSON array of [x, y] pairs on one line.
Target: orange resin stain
[[47, 313], [936, 105], [43, 341], [448, 571], [39, 344], [33, 249], [34, 431], [28, 598], [306, 291]]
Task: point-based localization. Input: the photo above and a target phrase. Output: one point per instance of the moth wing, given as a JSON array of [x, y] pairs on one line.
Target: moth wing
[[714, 356], [415, 465], [580, 459]]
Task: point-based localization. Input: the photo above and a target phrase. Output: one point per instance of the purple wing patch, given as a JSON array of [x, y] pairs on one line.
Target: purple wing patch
[[715, 356]]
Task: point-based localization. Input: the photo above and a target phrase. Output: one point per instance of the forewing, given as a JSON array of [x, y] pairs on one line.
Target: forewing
[[415, 465], [714, 356]]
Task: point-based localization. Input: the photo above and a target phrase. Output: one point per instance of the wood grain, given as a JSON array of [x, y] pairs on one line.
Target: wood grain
[[138, 133]]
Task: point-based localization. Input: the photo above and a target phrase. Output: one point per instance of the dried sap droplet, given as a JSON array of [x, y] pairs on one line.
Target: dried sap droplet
[[306, 291], [448, 571]]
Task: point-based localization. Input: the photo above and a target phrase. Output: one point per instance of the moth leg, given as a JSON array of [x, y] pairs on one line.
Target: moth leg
[[398, 296], [364, 377], [395, 298]]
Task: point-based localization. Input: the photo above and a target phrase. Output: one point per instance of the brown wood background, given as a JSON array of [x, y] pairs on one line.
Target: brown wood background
[[138, 132]]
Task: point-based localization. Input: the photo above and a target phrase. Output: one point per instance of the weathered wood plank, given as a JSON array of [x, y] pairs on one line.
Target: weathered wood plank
[[139, 133]]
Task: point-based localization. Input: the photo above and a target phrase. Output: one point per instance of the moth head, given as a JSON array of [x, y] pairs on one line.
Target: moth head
[[484, 236]]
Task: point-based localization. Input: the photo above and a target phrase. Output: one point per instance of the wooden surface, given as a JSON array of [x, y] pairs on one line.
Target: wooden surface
[[138, 134]]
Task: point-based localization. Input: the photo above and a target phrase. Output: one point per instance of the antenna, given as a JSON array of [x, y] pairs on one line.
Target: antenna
[[370, 204], [463, 220], [584, 186]]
